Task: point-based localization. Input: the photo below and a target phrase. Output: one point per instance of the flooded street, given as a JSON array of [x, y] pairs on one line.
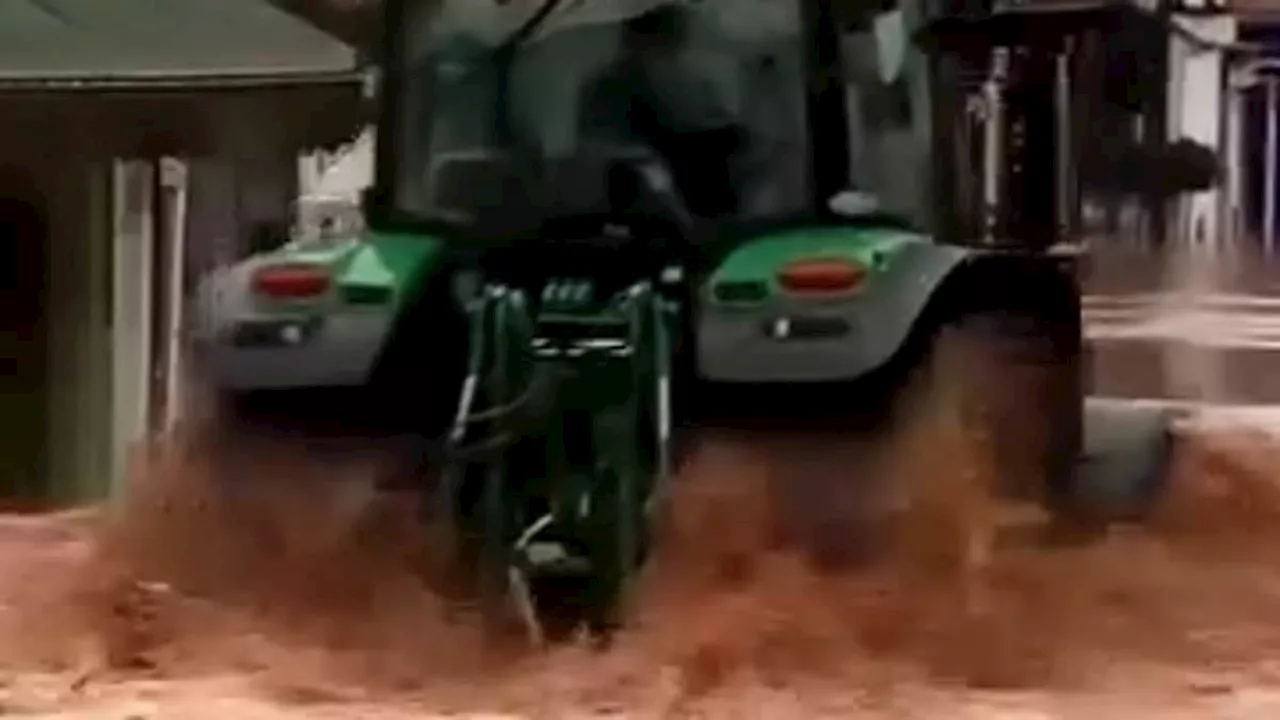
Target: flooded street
[[291, 597], [1180, 619], [1203, 328]]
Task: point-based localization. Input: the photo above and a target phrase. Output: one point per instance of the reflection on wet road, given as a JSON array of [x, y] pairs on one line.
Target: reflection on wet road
[[1220, 321], [1205, 332]]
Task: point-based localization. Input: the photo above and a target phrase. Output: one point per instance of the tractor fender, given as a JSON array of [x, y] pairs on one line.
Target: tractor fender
[[744, 342], [421, 363]]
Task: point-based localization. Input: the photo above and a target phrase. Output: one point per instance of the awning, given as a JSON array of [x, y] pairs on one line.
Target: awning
[[109, 44], [208, 122], [173, 76]]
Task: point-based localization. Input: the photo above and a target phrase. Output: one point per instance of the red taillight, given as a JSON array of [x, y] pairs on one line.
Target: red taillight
[[291, 281], [821, 276]]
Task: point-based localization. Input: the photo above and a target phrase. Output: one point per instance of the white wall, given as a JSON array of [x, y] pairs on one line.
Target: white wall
[[212, 214], [1196, 112], [345, 172], [132, 262], [172, 303]]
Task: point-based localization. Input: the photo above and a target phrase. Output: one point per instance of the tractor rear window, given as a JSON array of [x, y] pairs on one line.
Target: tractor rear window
[[714, 90]]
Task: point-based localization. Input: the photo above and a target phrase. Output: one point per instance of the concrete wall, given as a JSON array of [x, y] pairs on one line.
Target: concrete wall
[[227, 197], [252, 179], [80, 319], [213, 215], [23, 332], [92, 406], [132, 261], [105, 348], [105, 337]]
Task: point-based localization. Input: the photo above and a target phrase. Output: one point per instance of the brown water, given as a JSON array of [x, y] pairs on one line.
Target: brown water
[[292, 592], [300, 605]]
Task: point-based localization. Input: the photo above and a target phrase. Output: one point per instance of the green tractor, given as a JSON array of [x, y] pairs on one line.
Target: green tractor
[[601, 227]]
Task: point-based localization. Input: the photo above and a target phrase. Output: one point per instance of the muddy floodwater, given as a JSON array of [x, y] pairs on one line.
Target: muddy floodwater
[[189, 604], [294, 592]]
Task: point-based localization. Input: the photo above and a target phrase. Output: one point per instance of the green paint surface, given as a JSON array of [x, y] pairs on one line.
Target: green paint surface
[[391, 260], [761, 259], [378, 260]]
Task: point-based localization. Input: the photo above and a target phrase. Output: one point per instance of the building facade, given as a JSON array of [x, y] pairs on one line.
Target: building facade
[[104, 111]]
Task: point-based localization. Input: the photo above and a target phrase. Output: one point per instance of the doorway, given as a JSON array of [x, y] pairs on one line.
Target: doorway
[[23, 345]]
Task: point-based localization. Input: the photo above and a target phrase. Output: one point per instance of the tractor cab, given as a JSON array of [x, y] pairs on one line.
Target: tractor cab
[[501, 116]]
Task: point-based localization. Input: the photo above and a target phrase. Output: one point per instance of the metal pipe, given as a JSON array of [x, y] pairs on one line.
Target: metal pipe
[[1063, 137], [993, 144], [1269, 163], [174, 186], [1234, 144]]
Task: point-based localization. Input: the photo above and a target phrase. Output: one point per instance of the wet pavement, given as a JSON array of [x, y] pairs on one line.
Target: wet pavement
[[1226, 354], [1202, 328], [1179, 622]]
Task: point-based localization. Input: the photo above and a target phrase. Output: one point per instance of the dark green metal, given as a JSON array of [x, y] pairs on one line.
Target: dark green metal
[[570, 394]]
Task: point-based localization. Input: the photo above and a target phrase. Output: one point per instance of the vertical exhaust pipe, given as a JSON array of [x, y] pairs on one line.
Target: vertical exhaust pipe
[[1269, 163], [993, 144], [1063, 127]]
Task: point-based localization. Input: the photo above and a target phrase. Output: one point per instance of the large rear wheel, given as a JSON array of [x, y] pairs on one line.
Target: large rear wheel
[[985, 433], [1001, 434]]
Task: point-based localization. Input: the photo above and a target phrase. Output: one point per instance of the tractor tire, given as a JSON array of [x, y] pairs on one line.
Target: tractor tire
[[991, 415], [417, 382], [1125, 466], [1004, 409], [418, 377]]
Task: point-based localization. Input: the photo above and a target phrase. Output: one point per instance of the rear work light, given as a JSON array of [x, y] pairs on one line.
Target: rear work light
[[820, 276], [291, 282]]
